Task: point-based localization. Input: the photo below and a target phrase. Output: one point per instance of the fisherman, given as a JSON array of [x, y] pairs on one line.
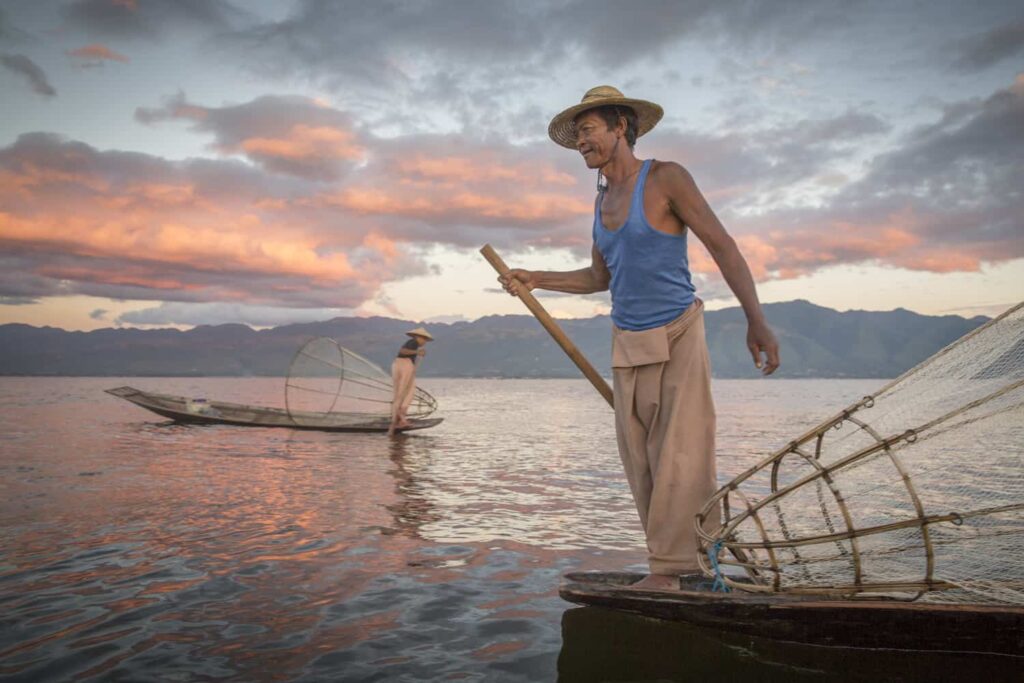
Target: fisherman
[[403, 376], [664, 414]]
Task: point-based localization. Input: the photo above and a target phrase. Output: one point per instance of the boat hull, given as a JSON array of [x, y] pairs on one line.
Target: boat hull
[[813, 620], [177, 408]]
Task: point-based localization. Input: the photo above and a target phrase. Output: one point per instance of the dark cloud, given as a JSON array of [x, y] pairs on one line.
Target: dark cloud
[[149, 19], [972, 157], [99, 314], [389, 43], [946, 198], [740, 169], [9, 33], [992, 47], [384, 42], [23, 66]]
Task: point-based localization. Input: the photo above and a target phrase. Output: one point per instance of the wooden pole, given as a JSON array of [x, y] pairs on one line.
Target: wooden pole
[[549, 324]]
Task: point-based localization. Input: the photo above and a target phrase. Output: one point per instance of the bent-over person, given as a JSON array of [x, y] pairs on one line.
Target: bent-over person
[[403, 376], [664, 413]]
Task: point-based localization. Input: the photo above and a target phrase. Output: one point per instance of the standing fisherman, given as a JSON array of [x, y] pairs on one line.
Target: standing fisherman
[[403, 376], [664, 413]]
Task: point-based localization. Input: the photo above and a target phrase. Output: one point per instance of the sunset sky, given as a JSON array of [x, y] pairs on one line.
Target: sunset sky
[[184, 162]]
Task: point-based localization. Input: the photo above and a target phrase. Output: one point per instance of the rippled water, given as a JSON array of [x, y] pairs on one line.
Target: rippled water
[[136, 549]]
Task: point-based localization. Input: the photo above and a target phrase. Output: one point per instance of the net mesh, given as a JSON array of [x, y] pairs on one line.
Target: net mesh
[[914, 492], [327, 383]]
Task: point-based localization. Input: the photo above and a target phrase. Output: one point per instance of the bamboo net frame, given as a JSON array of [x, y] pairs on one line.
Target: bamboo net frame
[[916, 491], [327, 380]]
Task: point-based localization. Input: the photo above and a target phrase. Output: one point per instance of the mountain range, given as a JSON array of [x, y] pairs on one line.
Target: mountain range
[[815, 342]]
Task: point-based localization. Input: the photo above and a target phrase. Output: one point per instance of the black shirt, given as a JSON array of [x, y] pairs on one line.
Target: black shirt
[[412, 345]]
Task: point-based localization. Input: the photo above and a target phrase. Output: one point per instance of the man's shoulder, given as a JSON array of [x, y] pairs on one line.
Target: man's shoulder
[[671, 179], [668, 170]]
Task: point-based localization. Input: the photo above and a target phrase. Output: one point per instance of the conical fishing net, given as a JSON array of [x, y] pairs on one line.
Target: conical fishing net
[[916, 491], [328, 384]]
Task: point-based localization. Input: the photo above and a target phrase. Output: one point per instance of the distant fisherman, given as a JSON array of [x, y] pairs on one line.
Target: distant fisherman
[[403, 376], [664, 414]]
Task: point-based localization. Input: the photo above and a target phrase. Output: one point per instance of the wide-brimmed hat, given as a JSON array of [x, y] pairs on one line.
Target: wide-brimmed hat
[[420, 332], [561, 127]]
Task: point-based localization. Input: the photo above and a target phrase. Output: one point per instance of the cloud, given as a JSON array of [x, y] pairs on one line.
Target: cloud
[[23, 66], [96, 55], [946, 198], [282, 223], [446, 319], [991, 47], [396, 44], [178, 313], [748, 168], [291, 135], [99, 314], [9, 33], [148, 19], [415, 188], [385, 44], [132, 226], [464, 192]]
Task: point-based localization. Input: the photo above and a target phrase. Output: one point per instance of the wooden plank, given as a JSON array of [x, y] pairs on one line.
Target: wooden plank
[[992, 629]]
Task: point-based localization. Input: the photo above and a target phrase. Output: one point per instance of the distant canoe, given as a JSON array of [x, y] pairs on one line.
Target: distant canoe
[[868, 623], [201, 411]]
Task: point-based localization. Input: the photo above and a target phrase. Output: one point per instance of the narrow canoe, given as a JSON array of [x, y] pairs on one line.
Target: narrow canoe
[[816, 620], [183, 409]]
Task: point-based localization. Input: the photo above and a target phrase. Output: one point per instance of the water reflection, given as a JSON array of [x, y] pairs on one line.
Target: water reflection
[[410, 455]]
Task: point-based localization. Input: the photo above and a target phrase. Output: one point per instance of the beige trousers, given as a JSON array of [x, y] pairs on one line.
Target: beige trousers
[[665, 426], [403, 381]]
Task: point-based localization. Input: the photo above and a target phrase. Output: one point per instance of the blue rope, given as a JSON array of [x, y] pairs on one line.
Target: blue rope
[[719, 585]]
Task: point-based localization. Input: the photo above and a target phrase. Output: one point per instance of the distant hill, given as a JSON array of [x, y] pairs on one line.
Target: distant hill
[[816, 342]]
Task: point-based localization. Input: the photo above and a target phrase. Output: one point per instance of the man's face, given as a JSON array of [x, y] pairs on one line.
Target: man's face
[[593, 139]]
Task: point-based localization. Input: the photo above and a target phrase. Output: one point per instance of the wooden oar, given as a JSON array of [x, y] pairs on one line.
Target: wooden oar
[[549, 324]]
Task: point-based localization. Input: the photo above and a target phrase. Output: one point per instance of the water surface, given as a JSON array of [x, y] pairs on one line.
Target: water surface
[[136, 549]]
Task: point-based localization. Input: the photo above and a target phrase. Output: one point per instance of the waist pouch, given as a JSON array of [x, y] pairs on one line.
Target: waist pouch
[[632, 348]]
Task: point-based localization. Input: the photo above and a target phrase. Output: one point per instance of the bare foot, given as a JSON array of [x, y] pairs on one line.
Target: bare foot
[[658, 582]]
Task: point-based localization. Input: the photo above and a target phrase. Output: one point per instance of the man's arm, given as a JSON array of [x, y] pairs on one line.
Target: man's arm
[[594, 278], [687, 202]]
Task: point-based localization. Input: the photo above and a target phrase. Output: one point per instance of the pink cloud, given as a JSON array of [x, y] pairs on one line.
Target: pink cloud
[[97, 53], [315, 144], [329, 212]]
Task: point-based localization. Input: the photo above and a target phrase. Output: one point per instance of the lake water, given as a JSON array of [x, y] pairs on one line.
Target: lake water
[[135, 549]]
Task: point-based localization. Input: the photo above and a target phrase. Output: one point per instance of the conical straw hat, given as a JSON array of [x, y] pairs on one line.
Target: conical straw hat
[[420, 332], [561, 127]]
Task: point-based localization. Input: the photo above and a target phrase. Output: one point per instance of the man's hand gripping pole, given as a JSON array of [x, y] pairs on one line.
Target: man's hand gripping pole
[[549, 324]]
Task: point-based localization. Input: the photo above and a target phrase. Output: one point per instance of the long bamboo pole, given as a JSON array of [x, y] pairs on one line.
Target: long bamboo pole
[[549, 324]]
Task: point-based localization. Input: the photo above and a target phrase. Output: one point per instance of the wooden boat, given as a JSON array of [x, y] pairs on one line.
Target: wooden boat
[[811, 619], [200, 411]]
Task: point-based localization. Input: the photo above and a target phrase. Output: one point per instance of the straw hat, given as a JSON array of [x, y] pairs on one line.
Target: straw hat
[[420, 332], [561, 127]]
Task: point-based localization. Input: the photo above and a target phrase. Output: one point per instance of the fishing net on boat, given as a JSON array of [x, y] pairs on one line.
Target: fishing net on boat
[[327, 383], [916, 491]]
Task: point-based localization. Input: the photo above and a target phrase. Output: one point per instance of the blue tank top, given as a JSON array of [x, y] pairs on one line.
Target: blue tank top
[[650, 284]]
